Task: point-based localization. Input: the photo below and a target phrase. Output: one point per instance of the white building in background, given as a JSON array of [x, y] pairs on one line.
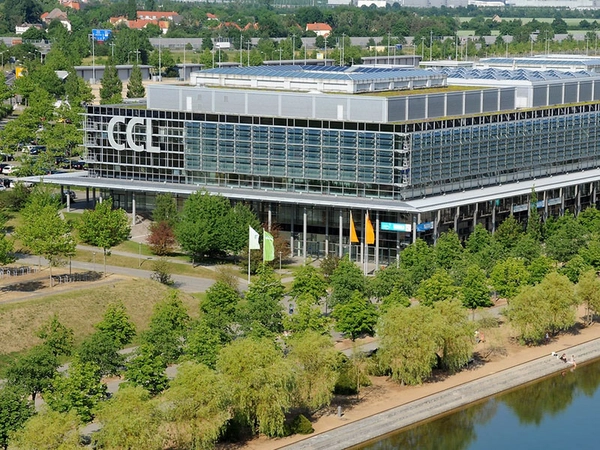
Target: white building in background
[[571, 4]]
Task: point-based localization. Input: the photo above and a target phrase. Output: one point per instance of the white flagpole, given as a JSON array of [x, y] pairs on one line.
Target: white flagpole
[[249, 264]]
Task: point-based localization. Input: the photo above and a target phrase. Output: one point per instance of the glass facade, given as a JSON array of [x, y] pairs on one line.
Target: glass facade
[[387, 161]]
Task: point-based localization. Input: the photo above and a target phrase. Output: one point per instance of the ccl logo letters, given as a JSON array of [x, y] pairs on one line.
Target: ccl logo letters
[[146, 146]]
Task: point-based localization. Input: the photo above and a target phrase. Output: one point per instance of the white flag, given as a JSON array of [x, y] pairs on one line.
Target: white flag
[[253, 239]]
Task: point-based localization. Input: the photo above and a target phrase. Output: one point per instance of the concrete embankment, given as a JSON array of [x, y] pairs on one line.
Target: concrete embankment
[[450, 399]]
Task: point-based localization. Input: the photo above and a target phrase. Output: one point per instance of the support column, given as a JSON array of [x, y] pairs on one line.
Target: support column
[[545, 205], [133, 208], [94, 197], [326, 232], [269, 217], [399, 218], [578, 199], [87, 195], [456, 213], [414, 228], [494, 216], [377, 241], [562, 202], [593, 189], [304, 231], [475, 216], [68, 198], [292, 231], [341, 235], [364, 238], [436, 224]]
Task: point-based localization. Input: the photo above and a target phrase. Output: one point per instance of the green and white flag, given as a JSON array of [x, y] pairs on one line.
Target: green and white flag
[[268, 247], [253, 243]]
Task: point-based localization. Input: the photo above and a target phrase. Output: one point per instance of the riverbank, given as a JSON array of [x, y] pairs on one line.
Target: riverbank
[[387, 406]]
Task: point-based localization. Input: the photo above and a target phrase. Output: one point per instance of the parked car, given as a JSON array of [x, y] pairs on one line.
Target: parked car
[[7, 157], [7, 169], [78, 165], [5, 182]]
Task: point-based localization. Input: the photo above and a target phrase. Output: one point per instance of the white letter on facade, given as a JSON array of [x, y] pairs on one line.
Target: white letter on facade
[[132, 123], [111, 130]]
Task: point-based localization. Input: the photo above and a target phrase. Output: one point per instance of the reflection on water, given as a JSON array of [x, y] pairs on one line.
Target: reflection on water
[[558, 412]]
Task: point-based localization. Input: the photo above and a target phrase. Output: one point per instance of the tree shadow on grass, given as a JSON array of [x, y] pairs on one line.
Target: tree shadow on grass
[[25, 286]]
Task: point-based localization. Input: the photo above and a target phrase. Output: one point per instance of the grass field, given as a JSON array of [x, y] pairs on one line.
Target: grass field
[[80, 310]]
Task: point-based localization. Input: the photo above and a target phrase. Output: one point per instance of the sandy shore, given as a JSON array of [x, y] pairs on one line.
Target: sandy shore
[[385, 395]]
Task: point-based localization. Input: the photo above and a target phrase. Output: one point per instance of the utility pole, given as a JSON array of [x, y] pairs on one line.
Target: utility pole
[[431, 45]]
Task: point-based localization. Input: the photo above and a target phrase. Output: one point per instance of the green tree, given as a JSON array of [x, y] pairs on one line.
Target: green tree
[[588, 294], [79, 390], [166, 209], [101, 351], [384, 282], [539, 267], [104, 227], [199, 406], [219, 310], [315, 361], [135, 87], [417, 263], [309, 281], [46, 233], [34, 371], [448, 250], [408, 344], [259, 380], [346, 279], [475, 290], [508, 233], [396, 298], [203, 344], [455, 334], [57, 337], [574, 268], [307, 317], [49, 429], [547, 307], [168, 326], [355, 317], [203, 225], [117, 324], [508, 277], [111, 86], [437, 288], [590, 219], [147, 370], [129, 420], [239, 218], [565, 242], [15, 409], [261, 311]]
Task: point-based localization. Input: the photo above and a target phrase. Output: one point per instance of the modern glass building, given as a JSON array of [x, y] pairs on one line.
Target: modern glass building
[[418, 156]]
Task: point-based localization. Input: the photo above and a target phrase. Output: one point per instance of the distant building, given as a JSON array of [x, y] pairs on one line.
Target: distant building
[[20, 29], [320, 29], [56, 14]]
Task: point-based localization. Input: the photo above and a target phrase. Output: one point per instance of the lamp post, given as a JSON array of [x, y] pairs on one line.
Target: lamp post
[[293, 49], [159, 58], [112, 50], [280, 50], [422, 48], [431, 45]]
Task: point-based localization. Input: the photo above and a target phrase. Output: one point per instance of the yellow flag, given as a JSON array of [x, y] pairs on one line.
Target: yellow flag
[[353, 236], [370, 232]]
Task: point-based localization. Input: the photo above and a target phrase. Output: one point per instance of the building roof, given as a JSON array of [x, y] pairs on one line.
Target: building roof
[[318, 26], [513, 75]]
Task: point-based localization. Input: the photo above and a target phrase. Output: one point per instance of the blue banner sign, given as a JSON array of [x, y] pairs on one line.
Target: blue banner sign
[[101, 35], [401, 227], [425, 226]]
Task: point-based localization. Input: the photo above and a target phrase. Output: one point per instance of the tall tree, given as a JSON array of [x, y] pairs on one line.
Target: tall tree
[[219, 310], [46, 233], [417, 263], [345, 280], [261, 312], [104, 227], [440, 286], [448, 250], [57, 337], [117, 324], [15, 409], [356, 316], [455, 334], [475, 290], [316, 363], [34, 371], [49, 429], [111, 88], [588, 294], [533, 221], [508, 277], [408, 343], [307, 317], [168, 327], [198, 406], [166, 209], [135, 87], [129, 420], [203, 225], [259, 380], [309, 281], [79, 390], [147, 370]]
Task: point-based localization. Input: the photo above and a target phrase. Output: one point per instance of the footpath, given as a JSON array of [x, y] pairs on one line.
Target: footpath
[[377, 425]]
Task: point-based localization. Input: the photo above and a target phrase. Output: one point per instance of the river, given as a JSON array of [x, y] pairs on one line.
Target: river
[[559, 412]]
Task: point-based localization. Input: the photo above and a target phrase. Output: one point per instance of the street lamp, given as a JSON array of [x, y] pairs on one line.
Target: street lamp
[[159, 58]]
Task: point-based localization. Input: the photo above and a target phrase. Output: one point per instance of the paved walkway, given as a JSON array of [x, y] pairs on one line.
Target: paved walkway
[[402, 416]]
